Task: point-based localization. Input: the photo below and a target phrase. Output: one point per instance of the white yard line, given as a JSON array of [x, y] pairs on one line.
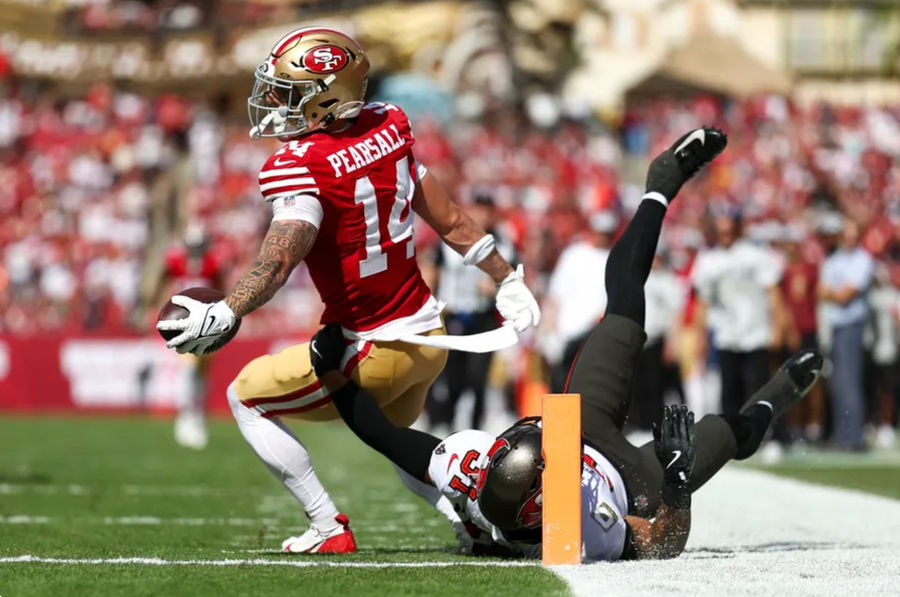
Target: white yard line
[[298, 563], [42, 489], [72, 489], [757, 534], [140, 520], [147, 520]]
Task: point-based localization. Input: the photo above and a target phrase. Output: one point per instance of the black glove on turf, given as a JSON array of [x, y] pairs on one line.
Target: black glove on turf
[[326, 349], [676, 165], [674, 445]]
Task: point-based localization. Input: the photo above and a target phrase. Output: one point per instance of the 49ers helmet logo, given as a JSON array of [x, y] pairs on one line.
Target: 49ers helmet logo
[[325, 59]]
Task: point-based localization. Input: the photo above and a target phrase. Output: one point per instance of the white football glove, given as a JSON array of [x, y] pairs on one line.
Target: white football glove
[[201, 328], [516, 303]]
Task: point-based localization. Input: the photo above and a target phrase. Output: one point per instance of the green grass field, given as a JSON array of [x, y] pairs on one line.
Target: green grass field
[[877, 473], [120, 488], [108, 488]]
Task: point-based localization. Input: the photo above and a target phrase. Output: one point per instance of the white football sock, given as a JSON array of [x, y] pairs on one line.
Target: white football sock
[[287, 459], [430, 494]]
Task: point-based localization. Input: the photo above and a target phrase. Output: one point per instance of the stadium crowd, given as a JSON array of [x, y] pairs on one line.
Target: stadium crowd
[[93, 190]]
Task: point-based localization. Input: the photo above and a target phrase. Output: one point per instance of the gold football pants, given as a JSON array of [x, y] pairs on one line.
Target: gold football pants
[[395, 373]]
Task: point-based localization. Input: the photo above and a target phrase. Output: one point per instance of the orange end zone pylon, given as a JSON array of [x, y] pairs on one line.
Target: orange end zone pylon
[[561, 543]]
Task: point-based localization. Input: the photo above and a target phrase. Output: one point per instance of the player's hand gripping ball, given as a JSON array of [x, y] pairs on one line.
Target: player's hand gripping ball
[[197, 320]]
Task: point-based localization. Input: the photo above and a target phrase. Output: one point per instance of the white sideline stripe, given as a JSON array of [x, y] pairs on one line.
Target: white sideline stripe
[[757, 534], [30, 559]]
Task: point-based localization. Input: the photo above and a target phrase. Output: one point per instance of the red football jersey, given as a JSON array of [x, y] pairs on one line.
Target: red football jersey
[[363, 261], [187, 271]]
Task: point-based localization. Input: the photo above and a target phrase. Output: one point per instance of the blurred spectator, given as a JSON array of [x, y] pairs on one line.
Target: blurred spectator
[[191, 263], [469, 295], [93, 190], [844, 285], [881, 374], [576, 297], [657, 371], [740, 302], [799, 283]]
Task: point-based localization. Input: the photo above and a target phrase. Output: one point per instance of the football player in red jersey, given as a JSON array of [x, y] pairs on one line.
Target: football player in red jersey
[[343, 190], [188, 265]]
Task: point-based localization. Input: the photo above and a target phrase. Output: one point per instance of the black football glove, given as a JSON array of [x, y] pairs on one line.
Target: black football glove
[[674, 445], [326, 349], [676, 165]]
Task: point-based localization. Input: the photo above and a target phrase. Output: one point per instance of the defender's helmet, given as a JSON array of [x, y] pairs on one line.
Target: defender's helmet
[[312, 77], [509, 487]]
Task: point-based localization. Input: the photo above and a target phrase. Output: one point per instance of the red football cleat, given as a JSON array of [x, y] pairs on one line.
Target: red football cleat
[[340, 540]]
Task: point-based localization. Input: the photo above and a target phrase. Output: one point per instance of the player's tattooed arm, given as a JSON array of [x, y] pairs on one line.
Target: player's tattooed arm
[[286, 244], [662, 538], [432, 203]]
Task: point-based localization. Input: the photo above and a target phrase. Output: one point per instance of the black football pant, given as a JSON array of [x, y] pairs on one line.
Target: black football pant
[[463, 370], [604, 369], [603, 375], [653, 378]]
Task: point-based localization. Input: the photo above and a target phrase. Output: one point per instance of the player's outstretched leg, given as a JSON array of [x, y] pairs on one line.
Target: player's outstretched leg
[[287, 458], [720, 438], [791, 383], [603, 369]]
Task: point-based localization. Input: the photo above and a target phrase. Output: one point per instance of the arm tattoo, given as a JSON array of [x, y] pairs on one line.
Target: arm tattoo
[[286, 244]]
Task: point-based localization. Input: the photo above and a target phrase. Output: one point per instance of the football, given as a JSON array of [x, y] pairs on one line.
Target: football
[[171, 311]]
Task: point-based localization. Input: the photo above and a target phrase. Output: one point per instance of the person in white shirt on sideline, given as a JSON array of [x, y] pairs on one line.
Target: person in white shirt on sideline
[[844, 287], [571, 315], [665, 295], [739, 300], [883, 340]]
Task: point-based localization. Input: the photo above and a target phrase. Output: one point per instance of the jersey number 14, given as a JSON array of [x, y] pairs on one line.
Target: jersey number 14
[[399, 228]]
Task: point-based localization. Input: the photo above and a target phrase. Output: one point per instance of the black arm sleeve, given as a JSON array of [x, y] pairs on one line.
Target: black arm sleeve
[[630, 261], [407, 448]]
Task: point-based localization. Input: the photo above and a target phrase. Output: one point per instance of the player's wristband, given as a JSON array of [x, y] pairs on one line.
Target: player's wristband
[[656, 196], [676, 496], [483, 247]]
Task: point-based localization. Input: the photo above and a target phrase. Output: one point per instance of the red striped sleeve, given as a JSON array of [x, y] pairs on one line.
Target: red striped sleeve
[[284, 175]]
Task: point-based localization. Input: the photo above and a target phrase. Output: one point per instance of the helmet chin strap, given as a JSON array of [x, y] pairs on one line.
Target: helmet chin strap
[[277, 117]]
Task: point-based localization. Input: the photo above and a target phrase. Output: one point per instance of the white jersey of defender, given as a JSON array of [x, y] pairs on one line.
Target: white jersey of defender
[[457, 461]]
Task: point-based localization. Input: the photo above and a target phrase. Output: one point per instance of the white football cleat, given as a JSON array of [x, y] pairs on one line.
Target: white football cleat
[[190, 431], [340, 540]]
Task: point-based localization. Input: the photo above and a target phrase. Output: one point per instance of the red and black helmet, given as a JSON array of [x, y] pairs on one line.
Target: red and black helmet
[[509, 487]]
